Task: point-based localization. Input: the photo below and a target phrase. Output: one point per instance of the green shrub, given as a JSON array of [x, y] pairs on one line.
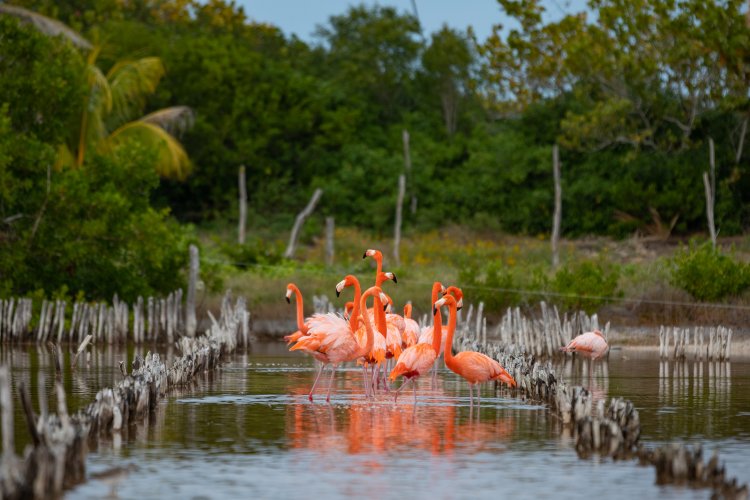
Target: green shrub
[[707, 274], [585, 285]]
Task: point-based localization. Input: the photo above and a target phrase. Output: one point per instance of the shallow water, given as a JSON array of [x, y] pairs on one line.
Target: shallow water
[[249, 430]]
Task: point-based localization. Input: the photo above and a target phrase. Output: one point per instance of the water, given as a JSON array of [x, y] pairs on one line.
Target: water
[[249, 430]]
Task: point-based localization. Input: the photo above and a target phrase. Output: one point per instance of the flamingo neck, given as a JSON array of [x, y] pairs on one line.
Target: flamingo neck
[[437, 331], [354, 318], [300, 311], [452, 310], [379, 313], [379, 280], [407, 311], [368, 326]]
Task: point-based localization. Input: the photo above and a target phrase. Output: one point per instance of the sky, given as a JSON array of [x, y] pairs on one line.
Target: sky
[[300, 17]]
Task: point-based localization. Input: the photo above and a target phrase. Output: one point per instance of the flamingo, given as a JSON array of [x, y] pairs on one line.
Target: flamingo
[[419, 358], [411, 328], [302, 328], [331, 341], [474, 367], [377, 352], [590, 345]]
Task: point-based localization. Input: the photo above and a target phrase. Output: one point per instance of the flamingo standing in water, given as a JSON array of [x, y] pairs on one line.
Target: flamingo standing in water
[[419, 358], [302, 328], [474, 367], [590, 345], [331, 341]]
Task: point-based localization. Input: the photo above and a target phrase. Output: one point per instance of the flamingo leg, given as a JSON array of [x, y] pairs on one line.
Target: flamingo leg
[[320, 372], [471, 396], [375, 370], [395, 397], [479, 395], [364, 377], [333, 374], [414, 385]]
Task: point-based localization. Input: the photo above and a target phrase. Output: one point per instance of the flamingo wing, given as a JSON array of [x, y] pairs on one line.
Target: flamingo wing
[[411, 332], [414, 361], [476, 367]]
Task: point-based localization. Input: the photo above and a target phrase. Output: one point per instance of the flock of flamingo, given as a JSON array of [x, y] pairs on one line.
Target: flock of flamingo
[[397, 340]]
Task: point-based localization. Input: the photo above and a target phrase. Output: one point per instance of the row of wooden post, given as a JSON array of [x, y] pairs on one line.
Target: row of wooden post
[[718, 347], [56, 459], [612, 430], [153, 318]]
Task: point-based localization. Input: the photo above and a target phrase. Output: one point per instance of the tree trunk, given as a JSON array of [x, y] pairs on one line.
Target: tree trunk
[[399, 210], [304, 214], [243, 207], [330, 226], [558, 206]]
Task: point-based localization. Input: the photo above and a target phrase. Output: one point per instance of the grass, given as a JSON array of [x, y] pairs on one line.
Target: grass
[[644, 294]]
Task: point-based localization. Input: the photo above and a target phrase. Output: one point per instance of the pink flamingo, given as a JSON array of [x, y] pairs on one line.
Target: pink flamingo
[[474, 367], [590, 345], [419, 358], [331, 341]]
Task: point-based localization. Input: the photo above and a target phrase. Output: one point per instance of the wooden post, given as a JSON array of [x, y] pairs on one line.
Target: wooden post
[[743, 132], [710, 187], [6, 407], [399, 210], [304, 214], [190, 321], [330, 226], [558, 206], [243, 207], [407, 167]]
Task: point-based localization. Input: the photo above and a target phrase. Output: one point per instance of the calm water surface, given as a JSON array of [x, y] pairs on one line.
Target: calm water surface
[[249, 430]]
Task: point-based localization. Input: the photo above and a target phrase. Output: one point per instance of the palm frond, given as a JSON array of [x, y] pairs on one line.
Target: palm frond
[[131, 82], [47, 25], [172, 160], [98, 105], [176, 119]]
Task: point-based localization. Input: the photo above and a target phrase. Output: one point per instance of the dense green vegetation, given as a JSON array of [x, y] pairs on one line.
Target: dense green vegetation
[[92, 183]]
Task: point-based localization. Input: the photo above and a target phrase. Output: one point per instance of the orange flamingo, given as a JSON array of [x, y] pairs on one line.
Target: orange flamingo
[[331, 341], [418, 359], [302, 328], [411, 328], [474, 367], [590, 345]]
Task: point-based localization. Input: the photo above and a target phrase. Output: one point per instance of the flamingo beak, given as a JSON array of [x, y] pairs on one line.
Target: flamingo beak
[[443, 290], [288, 301], [364, 256], [288, 294], [394, 278], [460, 304]]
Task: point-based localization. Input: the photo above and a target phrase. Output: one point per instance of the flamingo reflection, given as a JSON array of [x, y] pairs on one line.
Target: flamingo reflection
[[364, 428]]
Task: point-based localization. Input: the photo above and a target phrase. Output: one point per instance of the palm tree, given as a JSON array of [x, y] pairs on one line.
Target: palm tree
[[114, 100]]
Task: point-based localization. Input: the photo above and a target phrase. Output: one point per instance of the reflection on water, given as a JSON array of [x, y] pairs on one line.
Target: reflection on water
[[248, 430]]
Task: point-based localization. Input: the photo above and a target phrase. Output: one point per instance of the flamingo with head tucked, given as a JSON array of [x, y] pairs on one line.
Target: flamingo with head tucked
[[590, 345], [472, 366]]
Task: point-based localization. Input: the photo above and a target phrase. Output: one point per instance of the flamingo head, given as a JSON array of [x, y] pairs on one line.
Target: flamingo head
[[372, 253], [458, 294], [449, 300], [289, 291], [388, 276], [349, 280]]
